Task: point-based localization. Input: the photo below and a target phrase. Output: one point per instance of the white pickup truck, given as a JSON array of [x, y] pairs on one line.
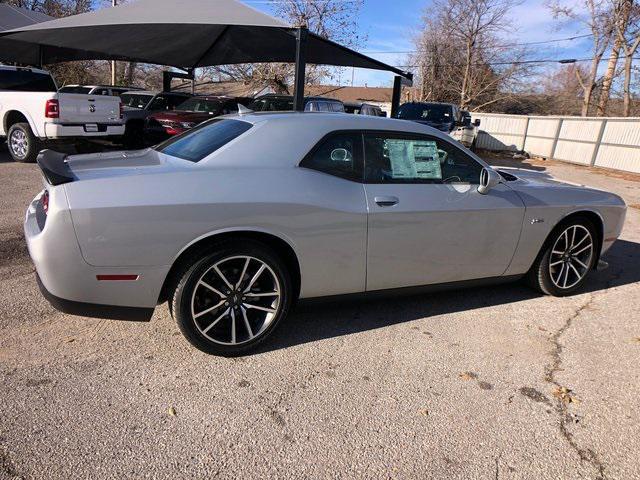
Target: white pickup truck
[[33, 113]]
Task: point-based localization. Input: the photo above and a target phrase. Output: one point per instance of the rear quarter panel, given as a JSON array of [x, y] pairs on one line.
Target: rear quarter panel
[[148, 220], [29, 104]]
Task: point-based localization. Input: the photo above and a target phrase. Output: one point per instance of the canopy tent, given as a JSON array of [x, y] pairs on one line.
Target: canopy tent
[[182, 33], [15, 17]]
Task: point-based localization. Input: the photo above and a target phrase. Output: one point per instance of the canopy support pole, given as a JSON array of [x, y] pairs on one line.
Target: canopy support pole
[[302, 34], [395, 98]]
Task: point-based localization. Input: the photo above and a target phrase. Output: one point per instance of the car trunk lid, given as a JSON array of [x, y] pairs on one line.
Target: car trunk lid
[[58, 168]]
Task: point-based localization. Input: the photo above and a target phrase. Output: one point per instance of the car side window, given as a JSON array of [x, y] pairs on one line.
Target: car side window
[[339, 154], [391, 158]]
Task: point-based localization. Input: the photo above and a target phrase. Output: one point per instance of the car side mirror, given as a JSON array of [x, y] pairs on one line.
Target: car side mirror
[[489, 179], [476, 122], [340, 155]]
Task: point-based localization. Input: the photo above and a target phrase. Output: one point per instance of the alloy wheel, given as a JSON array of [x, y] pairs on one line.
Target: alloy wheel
[[236, 300], [571, 256], [18, 143]]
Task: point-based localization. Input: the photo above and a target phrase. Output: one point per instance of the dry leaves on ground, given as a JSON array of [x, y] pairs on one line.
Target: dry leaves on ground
[[564, 394]]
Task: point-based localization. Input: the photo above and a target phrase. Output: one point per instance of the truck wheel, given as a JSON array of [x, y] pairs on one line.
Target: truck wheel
[[23, 145]]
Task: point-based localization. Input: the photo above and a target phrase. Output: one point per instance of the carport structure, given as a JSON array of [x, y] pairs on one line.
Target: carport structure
[[187, 34]]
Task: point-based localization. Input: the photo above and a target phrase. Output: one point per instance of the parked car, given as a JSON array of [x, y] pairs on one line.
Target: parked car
[[442, 116], [236, 219], [193, 111], [282, 103], [33, 113], [115, 91], [467, 133], [361, 108], [138, 105]]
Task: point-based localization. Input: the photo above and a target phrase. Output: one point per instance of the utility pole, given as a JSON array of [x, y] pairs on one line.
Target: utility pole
[[113, 62]]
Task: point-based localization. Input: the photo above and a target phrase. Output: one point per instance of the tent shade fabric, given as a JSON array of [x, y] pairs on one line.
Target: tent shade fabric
[[179, 33], [14, 17]]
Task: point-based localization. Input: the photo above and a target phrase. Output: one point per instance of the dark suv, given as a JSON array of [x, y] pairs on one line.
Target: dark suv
[[138, 105], [443, 116], [162, 125], [283, 103], [361, 108]]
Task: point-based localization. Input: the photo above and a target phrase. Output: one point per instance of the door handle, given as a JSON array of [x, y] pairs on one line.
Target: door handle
[[386, 201]]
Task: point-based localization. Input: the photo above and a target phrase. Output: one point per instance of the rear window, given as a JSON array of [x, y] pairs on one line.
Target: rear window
[[271, 105], [26, 81], [203, 140], [135, 100], [83, 90]]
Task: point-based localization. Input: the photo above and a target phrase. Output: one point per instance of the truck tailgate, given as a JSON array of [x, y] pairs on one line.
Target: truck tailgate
[[88, 109]]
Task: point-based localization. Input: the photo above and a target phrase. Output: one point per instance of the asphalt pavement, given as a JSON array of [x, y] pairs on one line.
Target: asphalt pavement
[[495, 382]]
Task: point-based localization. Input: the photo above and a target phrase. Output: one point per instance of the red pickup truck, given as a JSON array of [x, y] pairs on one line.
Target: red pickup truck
[[162, 125]]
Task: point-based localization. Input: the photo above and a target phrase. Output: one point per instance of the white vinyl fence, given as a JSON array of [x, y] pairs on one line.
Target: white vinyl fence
[[602, 142]]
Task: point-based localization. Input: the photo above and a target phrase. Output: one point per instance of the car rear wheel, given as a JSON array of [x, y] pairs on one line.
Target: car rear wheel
[[232, 298], [23, 145], [567, 258]]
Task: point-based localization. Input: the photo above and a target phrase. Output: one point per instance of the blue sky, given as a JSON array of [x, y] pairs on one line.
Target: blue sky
[[389, 26]]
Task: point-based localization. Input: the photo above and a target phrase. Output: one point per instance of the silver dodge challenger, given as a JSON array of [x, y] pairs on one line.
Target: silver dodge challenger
[[235, 220]]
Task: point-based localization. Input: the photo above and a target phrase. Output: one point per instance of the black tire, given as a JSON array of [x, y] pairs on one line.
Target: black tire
[[32, 144], [540, 275], [133, 137], [198, 266], [83, 146]]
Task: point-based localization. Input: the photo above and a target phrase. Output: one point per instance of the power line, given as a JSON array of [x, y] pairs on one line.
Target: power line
[[521, 62], [556, 40]]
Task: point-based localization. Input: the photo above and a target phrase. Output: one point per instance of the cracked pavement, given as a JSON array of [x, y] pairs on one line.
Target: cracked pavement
[[494, 382]]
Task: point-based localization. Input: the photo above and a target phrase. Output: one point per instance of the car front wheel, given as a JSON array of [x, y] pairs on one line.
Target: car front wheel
[[231, 298], [567, 258]]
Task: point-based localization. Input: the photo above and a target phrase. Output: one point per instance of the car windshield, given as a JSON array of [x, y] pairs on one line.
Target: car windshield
[[204, 139], [26, 81], [200, 105], [432, 112], [135, 100], [272, 105], [83, 90]]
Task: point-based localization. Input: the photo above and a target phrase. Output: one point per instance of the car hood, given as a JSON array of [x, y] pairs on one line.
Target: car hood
[[537, 178], [445, 127], [120, 163]]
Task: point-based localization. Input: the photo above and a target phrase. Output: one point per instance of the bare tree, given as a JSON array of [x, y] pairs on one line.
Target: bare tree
[[600, 22], [628, 36], [621, 11], [333, 19], [459, 54]]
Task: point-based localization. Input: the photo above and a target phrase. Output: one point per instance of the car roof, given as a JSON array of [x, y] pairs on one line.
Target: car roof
[[27, 69], [360, 104], [429, 103], [290, 97], [289, 136]]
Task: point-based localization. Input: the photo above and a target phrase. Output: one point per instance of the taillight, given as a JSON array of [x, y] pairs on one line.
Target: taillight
[[45, 201], [52, 109], [121, 111]]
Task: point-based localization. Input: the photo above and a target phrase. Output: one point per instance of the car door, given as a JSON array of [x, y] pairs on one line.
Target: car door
[[334, 238], [427, 222]]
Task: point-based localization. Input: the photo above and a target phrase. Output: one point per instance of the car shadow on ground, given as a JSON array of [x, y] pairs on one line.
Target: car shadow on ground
[[318, 321]]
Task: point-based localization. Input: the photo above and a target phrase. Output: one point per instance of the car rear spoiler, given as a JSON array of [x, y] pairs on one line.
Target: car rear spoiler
[[54, 167]]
